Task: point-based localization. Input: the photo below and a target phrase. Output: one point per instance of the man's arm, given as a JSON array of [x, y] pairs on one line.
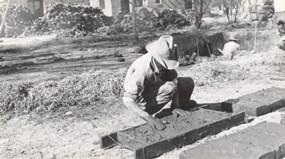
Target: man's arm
[[155, 123], [133, 85]]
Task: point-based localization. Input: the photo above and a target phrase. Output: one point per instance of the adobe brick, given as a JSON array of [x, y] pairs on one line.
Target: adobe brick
[[149, 143], [261, 102], [262, 141]]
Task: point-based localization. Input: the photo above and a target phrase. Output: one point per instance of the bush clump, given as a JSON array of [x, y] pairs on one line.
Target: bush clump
[[149, 19], [171, 18], [17, 21], [123, 23]]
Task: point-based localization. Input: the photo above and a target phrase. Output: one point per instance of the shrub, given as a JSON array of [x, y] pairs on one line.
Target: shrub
[[171, 18], [147, 20], [18, 20]]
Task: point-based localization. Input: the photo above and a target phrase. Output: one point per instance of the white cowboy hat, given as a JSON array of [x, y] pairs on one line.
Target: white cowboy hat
[[232, 37], [164, 51]]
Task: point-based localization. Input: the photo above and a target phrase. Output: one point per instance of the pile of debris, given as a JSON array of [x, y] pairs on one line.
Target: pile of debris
[[18, 20], [171, 18], [70, 20], [145, 20], [76, 20], [148, 19]]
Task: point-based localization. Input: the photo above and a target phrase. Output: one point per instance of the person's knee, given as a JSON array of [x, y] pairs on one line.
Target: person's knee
[[191, 83], [185, 88], [186, 83]]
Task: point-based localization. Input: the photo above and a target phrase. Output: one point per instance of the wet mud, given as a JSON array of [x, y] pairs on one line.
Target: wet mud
[[144, 135]]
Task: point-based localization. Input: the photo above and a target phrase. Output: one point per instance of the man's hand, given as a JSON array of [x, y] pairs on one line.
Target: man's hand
[[179, 112], [155, 123]]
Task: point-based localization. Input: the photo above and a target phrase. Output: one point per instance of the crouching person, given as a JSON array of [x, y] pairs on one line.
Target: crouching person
[[231, 48], [151, 84]]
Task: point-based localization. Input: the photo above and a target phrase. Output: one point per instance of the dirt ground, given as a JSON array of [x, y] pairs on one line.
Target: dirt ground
[[74, 132]]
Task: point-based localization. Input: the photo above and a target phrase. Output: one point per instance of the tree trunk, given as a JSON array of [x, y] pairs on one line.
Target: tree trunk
[[255, 38], [200, 13], [2, 26], [231, 11], [236, 13], [133, 2], [249, 8]]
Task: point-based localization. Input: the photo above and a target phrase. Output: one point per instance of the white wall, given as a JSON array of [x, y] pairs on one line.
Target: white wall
[[94, 3], [166, 4], [279, 5], [108, 6]]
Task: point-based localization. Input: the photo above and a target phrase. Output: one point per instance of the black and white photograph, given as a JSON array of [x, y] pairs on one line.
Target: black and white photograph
[[142, 79]]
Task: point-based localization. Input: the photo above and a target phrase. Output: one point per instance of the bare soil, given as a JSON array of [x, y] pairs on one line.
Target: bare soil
[[74, 132], [29, 64]]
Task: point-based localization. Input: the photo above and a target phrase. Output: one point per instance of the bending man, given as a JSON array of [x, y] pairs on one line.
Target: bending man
[[151, 84]]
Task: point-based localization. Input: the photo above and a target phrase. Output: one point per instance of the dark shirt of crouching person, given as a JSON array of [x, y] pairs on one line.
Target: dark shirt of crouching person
[[281, 29], [151, 84]]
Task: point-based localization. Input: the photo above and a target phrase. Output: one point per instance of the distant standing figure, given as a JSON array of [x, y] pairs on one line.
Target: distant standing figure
[[231, 48]]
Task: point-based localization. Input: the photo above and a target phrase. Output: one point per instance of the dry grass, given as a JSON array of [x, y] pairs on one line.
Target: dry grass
[[76, 90], [209, 72], [246, 66], [86, 89]]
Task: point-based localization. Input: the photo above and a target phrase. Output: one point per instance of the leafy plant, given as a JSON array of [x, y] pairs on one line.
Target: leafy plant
[[171, 18], [200, 7], [18, 20]]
